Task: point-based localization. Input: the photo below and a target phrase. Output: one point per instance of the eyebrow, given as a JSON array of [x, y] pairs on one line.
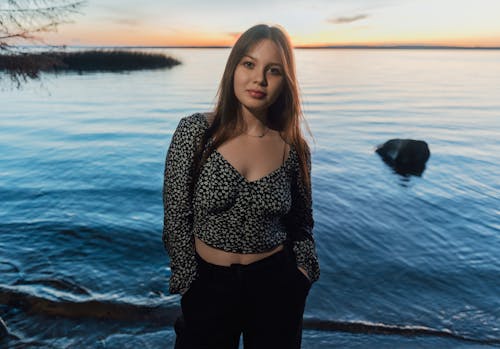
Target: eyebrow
[[255, 59]]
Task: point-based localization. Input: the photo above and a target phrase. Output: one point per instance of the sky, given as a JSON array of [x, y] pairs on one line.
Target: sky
[[308, 22]]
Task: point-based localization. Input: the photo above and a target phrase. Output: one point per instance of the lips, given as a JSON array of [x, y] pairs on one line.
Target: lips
[[256, 93]]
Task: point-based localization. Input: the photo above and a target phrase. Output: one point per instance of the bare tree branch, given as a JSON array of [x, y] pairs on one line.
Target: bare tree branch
[[19, 21]]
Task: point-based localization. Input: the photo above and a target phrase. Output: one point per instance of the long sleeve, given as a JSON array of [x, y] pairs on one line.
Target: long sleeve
[[177, 236], [300, 223]]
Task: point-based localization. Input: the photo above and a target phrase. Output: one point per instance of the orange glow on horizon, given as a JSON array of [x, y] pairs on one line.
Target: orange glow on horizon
[[144, 37]]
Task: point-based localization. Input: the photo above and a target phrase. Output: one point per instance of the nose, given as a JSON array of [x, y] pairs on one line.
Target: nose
[[260, 77]]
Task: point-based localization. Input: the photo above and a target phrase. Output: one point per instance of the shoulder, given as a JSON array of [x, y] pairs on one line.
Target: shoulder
[[301, 157], [192, 126], [188, 131], [195, 120]]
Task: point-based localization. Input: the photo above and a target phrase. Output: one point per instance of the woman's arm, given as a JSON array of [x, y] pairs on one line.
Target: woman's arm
[[178, 211], [300, 223]]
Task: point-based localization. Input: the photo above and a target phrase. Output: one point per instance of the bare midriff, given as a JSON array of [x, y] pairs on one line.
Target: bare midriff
[[216, 256]]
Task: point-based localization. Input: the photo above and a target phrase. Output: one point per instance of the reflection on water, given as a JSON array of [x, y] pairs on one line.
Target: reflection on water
[[81, 168]]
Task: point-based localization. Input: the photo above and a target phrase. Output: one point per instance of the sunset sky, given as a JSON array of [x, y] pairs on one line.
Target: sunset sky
[[309, 22]]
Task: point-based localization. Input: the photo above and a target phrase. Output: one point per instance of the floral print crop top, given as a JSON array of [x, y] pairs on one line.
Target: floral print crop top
[[229, 212]]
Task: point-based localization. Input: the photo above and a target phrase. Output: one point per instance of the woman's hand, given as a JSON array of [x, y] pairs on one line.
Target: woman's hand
[[183, 291], [305, 273]]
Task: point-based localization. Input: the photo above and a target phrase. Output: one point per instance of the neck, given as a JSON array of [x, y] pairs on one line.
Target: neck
[[253, 123]]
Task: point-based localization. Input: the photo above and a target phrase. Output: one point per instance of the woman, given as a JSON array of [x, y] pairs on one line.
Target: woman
[[238, 205]]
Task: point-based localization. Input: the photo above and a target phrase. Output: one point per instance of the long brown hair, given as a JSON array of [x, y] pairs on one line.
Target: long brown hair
[[285, 114]]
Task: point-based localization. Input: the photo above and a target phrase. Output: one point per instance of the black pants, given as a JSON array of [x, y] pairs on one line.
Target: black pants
[[264, 300]]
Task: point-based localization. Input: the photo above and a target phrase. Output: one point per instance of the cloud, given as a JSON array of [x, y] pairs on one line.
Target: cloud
[[343, 20]]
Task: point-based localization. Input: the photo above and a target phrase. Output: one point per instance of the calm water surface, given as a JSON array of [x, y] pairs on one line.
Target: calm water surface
[[81, 170]]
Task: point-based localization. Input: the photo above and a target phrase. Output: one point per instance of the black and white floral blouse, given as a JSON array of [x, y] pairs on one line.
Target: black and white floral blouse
[[229, 212]]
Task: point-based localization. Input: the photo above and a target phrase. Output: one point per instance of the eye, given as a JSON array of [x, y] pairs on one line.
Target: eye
[[275, 71], [247, 64]]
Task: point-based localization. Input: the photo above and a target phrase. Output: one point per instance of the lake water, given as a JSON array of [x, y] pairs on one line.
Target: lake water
[[406, 262]]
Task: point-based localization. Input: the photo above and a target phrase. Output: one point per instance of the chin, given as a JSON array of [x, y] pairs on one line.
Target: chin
[[256, 104], [255, 109]]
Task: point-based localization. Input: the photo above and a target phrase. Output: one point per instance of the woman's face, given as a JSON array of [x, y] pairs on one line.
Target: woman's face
[[258, 78]]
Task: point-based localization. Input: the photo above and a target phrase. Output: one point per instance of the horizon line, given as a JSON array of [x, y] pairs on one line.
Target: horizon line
[[295, 47]]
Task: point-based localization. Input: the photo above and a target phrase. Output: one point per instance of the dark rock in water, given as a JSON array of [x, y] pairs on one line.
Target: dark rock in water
[[4, 331], [405, 156]]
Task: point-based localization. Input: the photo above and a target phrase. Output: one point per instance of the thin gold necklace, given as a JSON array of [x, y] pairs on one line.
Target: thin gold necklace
[[260, 136]]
